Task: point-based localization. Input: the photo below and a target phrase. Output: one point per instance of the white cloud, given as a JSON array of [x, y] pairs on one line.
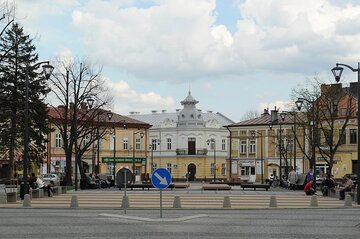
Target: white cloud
[[144, 102]]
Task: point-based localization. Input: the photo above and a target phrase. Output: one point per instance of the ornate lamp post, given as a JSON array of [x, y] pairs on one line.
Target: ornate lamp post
[[47, 69], [133, 161], [110, 115], [299, 104], [337, 71], [212, 141], [253, 133]]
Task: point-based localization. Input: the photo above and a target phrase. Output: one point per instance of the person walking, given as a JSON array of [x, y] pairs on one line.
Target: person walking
[[293, 177]]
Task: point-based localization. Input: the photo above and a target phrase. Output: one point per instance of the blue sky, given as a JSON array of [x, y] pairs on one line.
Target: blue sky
[[235, 55]]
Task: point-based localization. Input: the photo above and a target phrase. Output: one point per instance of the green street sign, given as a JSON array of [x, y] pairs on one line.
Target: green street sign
[[123, 160]]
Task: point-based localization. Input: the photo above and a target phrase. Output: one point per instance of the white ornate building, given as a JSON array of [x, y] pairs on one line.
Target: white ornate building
[[184, 141]]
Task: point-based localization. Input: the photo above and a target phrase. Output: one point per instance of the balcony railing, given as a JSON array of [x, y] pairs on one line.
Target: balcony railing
[[186, 152]]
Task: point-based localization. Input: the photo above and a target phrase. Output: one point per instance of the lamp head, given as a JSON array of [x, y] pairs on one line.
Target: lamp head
[[270, 125], [282, 116], [110, 115], [48, 69], [299, 103], [90, 102], [337, 71]]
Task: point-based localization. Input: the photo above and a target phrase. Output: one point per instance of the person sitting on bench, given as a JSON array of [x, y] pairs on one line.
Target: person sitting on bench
[[308, 189], [42, 185], [347, 187], [327, 184]]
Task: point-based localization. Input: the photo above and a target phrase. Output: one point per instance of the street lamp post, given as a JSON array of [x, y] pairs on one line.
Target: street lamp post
[[275, 120], [212, 141], [110, 115], [47, 68], [299, 104], [337, 71], [261, 153], [133, 161], [152, 147]]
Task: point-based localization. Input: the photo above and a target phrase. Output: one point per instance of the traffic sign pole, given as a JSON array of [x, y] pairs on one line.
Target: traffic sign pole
[[161, 178], [160, 203]]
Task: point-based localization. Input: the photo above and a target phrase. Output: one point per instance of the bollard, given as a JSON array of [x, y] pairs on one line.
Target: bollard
[[27, 201], [226, 202], [348, 201], [314, 201], [273, 202], [74, 201], [125, 202], [177, 202]]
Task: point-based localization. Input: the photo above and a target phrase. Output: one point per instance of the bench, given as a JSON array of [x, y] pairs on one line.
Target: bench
[[56, 190], [216, 187], [181, 185], [255, 186], [36, 193], [144, 185]]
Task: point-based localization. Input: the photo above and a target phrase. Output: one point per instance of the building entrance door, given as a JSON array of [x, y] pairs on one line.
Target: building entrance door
[[191, 146], [191, 172]]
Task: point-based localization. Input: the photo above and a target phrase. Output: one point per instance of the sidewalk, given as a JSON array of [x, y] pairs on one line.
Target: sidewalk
[[191, 198]]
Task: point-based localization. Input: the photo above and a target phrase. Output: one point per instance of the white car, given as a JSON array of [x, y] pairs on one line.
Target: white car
[[51, 177]]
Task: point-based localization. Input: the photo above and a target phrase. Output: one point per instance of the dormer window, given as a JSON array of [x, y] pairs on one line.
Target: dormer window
[[199, 116], [183, 115], [192, 116]]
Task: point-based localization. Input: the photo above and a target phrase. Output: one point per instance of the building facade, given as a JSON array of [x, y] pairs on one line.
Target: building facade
[[122, 140], [255, 145], [189, 143]]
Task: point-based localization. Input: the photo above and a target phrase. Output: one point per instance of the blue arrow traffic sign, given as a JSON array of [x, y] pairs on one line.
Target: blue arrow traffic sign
[[161, 178]]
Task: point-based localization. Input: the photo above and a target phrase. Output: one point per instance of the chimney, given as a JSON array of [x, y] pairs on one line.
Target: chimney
[[353, 88], [154, 111], [163, 111], [209, 111], [177, 110], [274, 116], [266, 112]]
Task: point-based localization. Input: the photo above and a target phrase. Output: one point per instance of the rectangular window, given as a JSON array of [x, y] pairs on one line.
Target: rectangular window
[[223, 144], [85, 140], [126, 143], [223, 169], [168, 167], [137, 144], [212, 168], [245, 171], [168, 143], [154, 144], [243, 146], [252, 147], [58, 141], [353, 136], [342, 136]]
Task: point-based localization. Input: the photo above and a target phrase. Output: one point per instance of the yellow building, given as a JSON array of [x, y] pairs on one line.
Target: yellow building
[[255, 145]]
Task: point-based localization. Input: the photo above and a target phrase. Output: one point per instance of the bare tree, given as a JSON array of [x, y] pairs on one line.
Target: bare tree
[[72, 86], [327, 109], [251, 114]]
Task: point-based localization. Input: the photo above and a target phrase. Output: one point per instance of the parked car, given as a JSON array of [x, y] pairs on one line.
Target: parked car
[[51, 177]]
